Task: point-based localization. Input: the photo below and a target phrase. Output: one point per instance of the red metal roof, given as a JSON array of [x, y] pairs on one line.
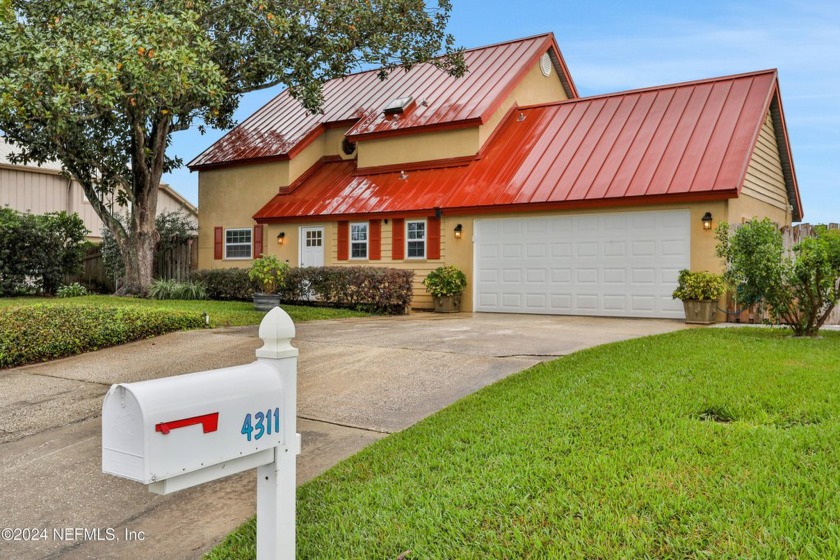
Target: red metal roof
[[678, 142], [283, 125]]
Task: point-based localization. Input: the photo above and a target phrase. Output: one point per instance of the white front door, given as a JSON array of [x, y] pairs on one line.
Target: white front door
[[311, 246]]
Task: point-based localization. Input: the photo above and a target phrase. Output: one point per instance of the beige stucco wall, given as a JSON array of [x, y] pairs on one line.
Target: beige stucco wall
[[413, 148], [229, 197], [535, 88]]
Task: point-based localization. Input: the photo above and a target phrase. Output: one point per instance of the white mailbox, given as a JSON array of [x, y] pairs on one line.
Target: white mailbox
[[156, 430], [177, 432]]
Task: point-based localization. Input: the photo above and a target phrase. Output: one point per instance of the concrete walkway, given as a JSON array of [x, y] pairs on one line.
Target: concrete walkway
[[359, 379]]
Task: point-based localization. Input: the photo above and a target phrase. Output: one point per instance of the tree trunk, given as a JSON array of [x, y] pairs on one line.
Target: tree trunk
[[138, 255]]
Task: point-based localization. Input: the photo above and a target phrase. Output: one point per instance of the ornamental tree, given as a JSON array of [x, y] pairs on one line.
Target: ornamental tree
[[101, 85], [800, 286]]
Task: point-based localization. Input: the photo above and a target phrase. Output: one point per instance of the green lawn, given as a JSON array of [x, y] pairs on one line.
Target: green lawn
[[222, 313], [705, 443]]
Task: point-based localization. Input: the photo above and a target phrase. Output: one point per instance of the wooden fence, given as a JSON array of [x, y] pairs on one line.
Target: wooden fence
[[171, 264], [791, 235], [177, 263]]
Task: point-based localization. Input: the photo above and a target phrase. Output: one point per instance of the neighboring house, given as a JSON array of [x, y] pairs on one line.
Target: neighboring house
[[39, 189], [549, 202]]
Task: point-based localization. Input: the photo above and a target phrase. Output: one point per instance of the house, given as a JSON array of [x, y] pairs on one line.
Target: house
[[39, 189], [550, 203]]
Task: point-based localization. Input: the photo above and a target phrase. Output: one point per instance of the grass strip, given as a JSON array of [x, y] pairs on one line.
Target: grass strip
[[705, 443]]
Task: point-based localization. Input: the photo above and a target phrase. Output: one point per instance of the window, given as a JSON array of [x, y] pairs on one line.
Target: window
[[359, 241], [238, 243], [415, 239]]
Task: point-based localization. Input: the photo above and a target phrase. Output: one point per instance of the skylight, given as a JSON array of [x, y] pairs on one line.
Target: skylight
[[398, 105]]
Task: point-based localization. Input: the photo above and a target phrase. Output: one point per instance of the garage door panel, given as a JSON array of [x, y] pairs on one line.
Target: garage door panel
[[617, 264], [561, 275], [615, 276], [535, 276], [615, 248], [586, 249], [561, 250], [615, 302], [643, 249], [536, 251]]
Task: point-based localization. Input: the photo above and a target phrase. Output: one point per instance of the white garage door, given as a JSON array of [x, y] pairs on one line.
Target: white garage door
[[615, 265]]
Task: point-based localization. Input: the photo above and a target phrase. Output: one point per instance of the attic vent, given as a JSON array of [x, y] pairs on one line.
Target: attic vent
[[545, 65], [348, 147], [398, 105]]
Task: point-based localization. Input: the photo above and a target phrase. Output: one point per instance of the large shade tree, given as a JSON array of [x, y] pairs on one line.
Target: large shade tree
[[101, 85]]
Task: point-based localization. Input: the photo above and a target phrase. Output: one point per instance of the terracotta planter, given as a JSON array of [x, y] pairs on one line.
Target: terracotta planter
[[266, 302], [700, 312], [447, 304]]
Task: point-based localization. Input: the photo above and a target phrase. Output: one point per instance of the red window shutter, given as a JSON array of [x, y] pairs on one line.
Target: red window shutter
[[433, 238], [218, 243], [258, 241], [343, 240], [398, 240], [375, 248]]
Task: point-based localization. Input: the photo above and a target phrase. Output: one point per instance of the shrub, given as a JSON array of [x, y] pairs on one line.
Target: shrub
[[225, 284], [445, 281], [268, 273], [699, 286], [800, 288], [172, 289], [38, 251], [35, 333], [72, 290], [371, 289]]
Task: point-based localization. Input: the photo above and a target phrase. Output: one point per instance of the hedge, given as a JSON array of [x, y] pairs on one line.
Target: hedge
[[36, 333], [365, 288], [225, 284]]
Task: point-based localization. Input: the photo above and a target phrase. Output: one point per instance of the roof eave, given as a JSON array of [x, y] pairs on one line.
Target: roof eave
[[616, 202]]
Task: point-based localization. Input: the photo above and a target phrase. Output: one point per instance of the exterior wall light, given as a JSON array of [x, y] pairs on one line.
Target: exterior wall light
[[281, 238], [458, 229], [707, 220]]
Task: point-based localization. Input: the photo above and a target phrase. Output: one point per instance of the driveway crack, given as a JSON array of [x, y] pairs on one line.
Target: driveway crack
[[343, 425]]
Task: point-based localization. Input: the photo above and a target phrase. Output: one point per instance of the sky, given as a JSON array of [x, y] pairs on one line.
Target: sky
[[615, 46]]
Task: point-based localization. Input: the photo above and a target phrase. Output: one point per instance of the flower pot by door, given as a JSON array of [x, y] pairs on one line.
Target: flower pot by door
[[266, 302], [447, 304], [700, 312]]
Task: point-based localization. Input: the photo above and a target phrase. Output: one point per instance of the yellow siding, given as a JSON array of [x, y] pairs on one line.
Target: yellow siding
[[765, 180]]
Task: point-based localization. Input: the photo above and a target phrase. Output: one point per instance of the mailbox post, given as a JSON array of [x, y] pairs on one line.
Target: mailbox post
[[181, 431]]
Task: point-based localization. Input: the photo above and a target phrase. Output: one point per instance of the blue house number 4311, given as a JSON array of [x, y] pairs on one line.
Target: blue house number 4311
[[263, 423]]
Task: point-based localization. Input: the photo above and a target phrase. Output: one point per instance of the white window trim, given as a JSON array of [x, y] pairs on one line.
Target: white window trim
[[425, 239], [350, 241], [250, 244]]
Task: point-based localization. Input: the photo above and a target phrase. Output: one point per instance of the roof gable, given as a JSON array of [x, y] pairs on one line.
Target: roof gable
[[283, 126], [678, 142]]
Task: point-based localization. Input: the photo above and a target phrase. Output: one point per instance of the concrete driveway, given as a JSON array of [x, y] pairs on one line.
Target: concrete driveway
[[359, 380]]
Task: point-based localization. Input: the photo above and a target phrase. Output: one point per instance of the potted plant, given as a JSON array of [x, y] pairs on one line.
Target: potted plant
[[446, 284], [268, 273], [699, 292]]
